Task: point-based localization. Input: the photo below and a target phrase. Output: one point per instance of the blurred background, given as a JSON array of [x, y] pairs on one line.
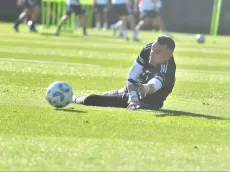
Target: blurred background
[[189, 16]]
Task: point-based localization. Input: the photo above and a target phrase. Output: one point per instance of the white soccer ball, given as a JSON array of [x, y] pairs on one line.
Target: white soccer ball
[[59, 94], [29, 23], [200, 38]]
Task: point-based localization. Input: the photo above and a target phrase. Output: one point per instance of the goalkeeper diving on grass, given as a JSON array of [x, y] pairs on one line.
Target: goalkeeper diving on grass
[[150, 80]]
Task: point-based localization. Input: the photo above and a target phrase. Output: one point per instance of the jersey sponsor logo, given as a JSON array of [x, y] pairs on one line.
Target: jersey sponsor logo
[[146, 76]]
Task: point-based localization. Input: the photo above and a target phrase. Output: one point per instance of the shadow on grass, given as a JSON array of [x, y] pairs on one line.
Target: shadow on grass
[[72, 35], [47, 34], [63, 35], [71, 110], [166, 113]]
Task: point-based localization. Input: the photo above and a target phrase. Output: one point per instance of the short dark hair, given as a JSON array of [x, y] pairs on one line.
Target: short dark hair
[[166, 40]]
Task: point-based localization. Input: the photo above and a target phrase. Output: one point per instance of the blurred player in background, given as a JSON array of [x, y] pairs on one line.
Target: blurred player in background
[[73, 6], [149, 14], [131, 20], [158, 20], [150, 80], [121, 9], [31, 7], [101, 9]]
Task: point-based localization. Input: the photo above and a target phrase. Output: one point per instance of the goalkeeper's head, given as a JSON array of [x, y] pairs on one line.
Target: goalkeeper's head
[[162, 50]]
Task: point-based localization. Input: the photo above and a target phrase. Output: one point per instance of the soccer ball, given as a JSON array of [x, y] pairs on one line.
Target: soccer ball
[[59, 94], [29, 23], [200, 38]]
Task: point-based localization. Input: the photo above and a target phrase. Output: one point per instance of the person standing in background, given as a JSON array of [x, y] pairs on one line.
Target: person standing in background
[[101, 9], [131, 20], [31, 7], [121, 9], [149, 14], [73, 6], [158, 20]]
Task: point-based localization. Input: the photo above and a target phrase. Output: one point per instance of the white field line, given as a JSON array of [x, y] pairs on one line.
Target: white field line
[[48, 62], [203, 71], [93, 65]]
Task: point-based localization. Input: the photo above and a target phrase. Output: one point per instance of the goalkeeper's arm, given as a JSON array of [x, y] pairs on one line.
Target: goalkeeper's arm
[[133, 75], [151, 87]]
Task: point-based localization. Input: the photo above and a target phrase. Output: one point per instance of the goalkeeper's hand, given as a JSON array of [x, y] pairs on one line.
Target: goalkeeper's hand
[[133, 105], [134, 99], [141, 90], [136, 91]]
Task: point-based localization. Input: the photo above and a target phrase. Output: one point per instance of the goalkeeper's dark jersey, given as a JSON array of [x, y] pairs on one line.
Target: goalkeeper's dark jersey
[[165, 73]]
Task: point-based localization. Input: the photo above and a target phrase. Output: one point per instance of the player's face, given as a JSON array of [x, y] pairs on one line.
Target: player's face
[[159, 54]]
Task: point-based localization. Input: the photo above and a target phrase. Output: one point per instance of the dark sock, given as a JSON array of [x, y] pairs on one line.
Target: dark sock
[[84, 31], [105, 101], [33, 25], [59, 28], [17, 22]]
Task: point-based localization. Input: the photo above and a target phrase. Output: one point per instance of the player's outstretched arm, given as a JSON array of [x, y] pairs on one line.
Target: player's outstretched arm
[[133, 75], [151, 87]]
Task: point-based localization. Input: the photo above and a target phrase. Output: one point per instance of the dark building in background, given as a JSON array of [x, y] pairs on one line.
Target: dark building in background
[[191, 16]]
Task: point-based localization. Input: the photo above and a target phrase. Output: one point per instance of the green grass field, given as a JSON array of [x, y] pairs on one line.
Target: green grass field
[[190, 133]]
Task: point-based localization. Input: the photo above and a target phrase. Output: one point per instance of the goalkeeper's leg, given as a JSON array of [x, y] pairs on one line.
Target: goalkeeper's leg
[[100, 100], [118, 92]]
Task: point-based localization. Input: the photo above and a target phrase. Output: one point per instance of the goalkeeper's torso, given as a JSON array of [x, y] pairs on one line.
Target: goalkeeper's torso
[[165, 73]]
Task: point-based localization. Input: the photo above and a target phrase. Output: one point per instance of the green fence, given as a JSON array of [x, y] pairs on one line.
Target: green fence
[[53, 10], [215, 17]]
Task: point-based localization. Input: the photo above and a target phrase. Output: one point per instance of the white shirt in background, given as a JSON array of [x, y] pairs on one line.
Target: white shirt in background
[[119, 1], [146, 5], [102, 2], [158, 5], [72, 2]]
